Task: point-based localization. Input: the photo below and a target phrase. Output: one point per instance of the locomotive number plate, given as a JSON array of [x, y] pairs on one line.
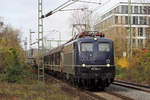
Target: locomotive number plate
[[95, 68]]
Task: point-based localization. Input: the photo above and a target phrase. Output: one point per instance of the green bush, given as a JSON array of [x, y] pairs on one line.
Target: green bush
[[15, 71], [121, 73], [12, 67], [138, 70]]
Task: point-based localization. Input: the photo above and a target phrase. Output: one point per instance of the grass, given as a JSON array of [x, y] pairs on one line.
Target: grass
[[36, 91]]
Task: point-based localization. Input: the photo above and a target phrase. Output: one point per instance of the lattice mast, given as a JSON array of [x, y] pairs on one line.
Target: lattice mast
[[40, 42], [129, 48]]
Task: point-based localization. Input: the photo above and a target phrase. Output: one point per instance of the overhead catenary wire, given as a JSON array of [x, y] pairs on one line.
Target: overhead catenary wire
[[68, 4], [89, 2], [64, 5], [73, 9]]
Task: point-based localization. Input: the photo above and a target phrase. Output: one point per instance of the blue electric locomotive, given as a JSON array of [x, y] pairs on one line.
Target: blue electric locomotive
[[87, 60]]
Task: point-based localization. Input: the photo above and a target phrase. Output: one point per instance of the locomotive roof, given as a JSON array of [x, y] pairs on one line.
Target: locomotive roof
[[91, 39]]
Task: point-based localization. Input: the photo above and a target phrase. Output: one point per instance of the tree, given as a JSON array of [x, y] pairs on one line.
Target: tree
[[84, 19], [9, 39]]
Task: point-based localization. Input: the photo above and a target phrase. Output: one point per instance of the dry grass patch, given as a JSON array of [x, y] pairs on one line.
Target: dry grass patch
[[32, 92]]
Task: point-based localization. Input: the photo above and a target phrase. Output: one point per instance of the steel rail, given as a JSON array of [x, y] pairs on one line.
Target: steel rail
[[131, 85], [119, 95]]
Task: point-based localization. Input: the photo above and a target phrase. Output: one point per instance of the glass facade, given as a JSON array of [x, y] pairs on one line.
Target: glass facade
[[135, 20], [134, 9], [123, 9], [140, 19]]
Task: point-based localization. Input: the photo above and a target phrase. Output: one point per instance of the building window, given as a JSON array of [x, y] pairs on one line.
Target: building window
[[148, 10], [121, 20], [142, 20], [124, 9], [135, 20], [149, 20], [116, 19], [145, 10], [141, 9], [135, 10], [140, 31], [126, 19], [145, 20]]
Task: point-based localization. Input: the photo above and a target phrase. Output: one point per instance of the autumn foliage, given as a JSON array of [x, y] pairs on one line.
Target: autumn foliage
[[138, 69], [12, 66]]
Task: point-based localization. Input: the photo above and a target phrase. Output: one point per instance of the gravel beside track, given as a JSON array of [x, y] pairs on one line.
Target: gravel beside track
[[139, 87], [129, 92]]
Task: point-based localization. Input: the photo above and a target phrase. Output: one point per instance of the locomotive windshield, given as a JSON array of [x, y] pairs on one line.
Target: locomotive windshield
[[104, 47], [87, 47]]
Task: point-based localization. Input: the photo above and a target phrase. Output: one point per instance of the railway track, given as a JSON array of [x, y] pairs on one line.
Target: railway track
[[98, 95], [69, 88], [109, 95], [89, 95], [139, 87], [129, 86]]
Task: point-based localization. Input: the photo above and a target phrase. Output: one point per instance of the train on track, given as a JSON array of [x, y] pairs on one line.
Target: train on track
[[86, 60]]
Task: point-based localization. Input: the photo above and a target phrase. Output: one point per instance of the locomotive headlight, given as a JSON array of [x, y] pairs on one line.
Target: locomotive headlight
[[108, 65], [83, 65], [95, 38]]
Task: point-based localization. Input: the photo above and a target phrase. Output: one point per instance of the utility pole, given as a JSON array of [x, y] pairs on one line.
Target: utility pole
[[30, 43], [40, 42], [129, 48], [25, 45]]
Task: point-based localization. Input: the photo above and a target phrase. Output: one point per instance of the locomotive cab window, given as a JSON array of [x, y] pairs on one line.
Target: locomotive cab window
[[87, 47], [104, 47]]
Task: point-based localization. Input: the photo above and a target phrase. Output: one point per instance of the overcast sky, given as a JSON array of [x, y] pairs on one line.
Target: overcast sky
[[22, 14]]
